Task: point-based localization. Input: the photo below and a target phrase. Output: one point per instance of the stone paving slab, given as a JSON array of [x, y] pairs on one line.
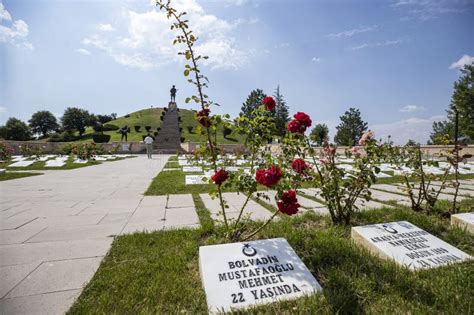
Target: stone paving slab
[[180, 201], [41, 304], [47, 251], [60, 225], [402, 190], [386, 196], [83, 232], [451, 190], [12, 275], [253, 209], [54, 276]]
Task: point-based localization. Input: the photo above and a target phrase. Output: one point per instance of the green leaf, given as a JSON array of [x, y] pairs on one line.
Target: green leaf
[[187, 99], [186, 72]]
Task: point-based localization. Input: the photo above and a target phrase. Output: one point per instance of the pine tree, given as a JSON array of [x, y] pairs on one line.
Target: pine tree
[[351, 128], [281, 113], [254, 100]]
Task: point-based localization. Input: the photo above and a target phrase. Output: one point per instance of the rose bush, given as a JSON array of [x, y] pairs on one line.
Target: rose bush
[[266, 169]]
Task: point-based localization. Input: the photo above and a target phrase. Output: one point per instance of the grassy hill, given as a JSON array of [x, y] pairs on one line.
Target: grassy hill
[[144, 117], [151, 117]]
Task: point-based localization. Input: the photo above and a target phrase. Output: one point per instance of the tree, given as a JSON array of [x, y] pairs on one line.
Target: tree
[[281, 113], [443, 133], [254, 100], [15, 129], [463, 100], [77, 119], [411, 143], [43, 122], [319, 133], [104, 118], [351, 128]]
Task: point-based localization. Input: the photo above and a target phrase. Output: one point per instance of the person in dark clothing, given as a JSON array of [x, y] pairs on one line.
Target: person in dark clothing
[[124, 133], [173, 93]]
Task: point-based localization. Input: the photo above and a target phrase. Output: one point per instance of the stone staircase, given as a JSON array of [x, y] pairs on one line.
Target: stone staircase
[[168, 140]]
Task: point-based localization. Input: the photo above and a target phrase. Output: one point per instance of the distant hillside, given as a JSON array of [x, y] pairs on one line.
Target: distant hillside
[[151, 117]]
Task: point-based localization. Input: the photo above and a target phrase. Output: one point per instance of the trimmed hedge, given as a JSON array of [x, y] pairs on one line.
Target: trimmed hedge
[[100, 138]]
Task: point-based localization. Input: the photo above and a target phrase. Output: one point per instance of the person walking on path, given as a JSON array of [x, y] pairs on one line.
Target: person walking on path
[[149, 145]]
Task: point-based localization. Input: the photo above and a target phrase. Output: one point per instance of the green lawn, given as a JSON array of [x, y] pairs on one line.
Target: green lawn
[[14, 175], [173, 182], [158, 273]]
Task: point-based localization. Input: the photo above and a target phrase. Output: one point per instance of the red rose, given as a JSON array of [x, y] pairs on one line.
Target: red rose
[[300, 123], [299, 165], [219, 177], [288, 203], [268, 177], [203, 117], [269, 102]]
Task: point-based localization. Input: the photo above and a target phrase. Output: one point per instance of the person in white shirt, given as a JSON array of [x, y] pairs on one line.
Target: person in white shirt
[[149, 145]]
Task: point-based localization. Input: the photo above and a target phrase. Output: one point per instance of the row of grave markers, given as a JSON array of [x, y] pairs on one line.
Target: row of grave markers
[[239, 275]]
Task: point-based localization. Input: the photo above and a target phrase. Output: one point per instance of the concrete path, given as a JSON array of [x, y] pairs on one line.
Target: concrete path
[[56, 228]]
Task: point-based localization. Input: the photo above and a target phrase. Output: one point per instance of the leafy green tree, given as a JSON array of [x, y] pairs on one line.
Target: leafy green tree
[[281, 113], [411, 143], [254, 100], [77, 119], [351, 128], [463, 100], [43, 122], [443, 132], [104, 118], [15, 129], [319, 133]]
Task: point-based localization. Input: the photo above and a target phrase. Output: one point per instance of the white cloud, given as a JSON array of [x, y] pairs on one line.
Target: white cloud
[[4, 14], [429, 9], [464, 60], [16, 34], [350, 33], [83, 51], [316, 59], [378, 44], [411, 109], [401, 131], [147, 42], [105, 27], [3, 109]]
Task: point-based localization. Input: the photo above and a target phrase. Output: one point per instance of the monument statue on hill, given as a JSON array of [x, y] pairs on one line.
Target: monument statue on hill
[[173, 94]]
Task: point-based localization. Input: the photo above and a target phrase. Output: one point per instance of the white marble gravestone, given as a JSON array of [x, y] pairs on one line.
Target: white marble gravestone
[[239, 275], [407, 245], [195, 180], [464, 221], [191, 169]]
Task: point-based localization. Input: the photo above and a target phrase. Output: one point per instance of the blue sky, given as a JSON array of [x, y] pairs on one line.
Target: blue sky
[[394, 60]]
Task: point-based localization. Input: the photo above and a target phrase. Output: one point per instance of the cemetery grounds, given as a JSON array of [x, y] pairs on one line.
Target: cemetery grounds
[[156, 271]]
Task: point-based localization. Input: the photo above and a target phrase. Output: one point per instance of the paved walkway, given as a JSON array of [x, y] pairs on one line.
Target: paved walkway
[[56, 228]]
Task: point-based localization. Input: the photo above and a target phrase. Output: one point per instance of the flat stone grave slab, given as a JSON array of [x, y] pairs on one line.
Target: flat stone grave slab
[[183, 163], [239, 275], [407, 245], [57, 162], [385, 196], [195, 180], [464, 221], [22, 163], [2, 171], [190, 169], [80, 161]]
